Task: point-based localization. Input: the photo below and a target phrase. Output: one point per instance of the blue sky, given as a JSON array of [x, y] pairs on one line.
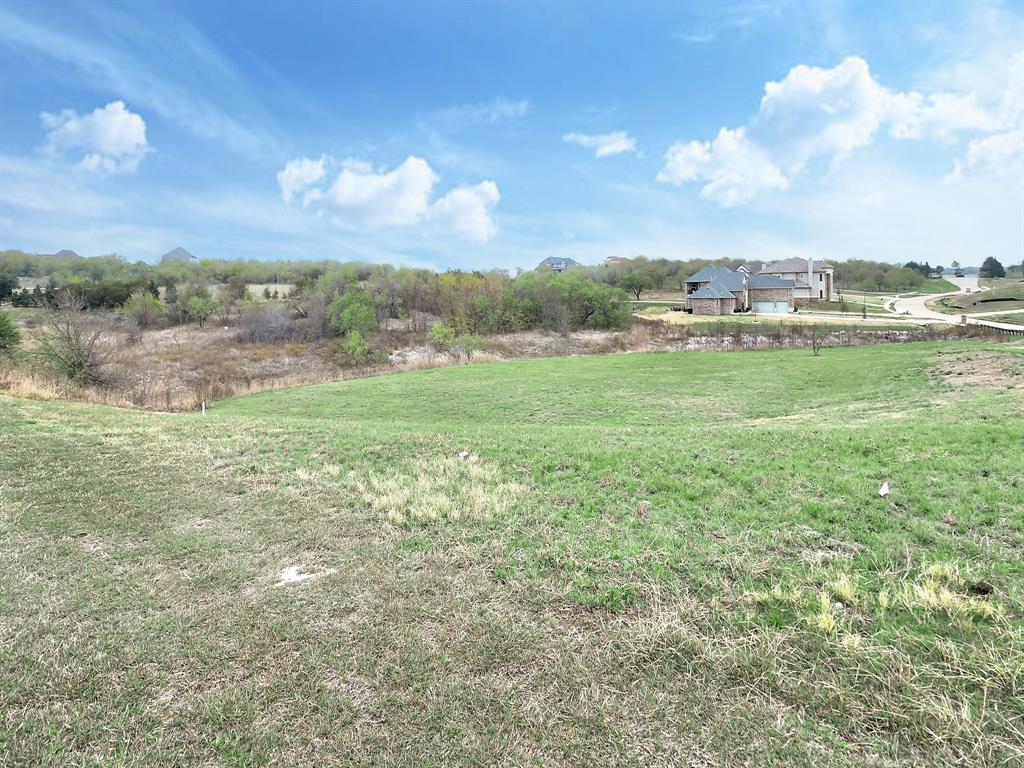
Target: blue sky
[[496, 134]]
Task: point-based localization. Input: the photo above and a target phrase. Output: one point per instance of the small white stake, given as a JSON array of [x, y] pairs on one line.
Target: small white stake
[[204, 407]]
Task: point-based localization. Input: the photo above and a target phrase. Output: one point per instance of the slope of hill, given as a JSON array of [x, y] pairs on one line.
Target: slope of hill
[[671, 559]]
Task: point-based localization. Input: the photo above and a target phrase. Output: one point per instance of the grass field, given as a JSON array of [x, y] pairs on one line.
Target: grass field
[[847, 306], [750, 320], [670, 559], [981, 301], [859, 297], [940, 285], [1014, 318]]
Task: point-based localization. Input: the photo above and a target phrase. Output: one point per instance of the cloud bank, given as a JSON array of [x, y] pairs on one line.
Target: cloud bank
[[829, 113], [404, 196]]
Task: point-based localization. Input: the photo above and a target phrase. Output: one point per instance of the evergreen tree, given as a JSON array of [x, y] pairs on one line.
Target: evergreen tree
[[991, 268]]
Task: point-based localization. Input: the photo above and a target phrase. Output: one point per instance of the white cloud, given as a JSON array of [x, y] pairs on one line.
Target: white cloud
[[1001, 154], [734, 167], [698, 36], [385, 199], [468, 208], [166, 66], [492, 112], [299, 175], [816, 112], [603, 144], [111, 139], [364, 196]]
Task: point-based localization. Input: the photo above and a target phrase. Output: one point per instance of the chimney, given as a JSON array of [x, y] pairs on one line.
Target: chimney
[[810, 279], [746, 288]]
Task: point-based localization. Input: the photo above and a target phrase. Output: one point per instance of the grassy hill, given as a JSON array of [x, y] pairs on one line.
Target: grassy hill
[[673, 559], [997, 300]]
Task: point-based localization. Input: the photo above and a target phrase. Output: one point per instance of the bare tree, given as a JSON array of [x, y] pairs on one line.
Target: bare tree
[[818, 336], [71, 341]]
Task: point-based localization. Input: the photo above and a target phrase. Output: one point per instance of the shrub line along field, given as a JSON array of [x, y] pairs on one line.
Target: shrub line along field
[[655, 559]]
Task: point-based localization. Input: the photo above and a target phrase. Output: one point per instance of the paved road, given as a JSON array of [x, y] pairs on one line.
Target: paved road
[[915, 305]]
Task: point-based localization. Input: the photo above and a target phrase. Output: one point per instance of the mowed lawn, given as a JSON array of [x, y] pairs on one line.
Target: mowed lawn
[[654, 560]]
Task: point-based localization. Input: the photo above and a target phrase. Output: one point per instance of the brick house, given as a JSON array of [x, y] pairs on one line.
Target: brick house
[[756, 292], [811, 279], [712, 298]]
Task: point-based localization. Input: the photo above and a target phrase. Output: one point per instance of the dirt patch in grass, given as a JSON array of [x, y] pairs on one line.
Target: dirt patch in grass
[[980, 368]]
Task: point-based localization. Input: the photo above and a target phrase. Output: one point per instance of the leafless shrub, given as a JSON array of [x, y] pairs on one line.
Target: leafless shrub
[[72, 341], [271, 324], [312, 308]]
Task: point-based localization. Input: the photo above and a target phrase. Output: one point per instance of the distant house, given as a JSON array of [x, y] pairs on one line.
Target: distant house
[[615, 260], [705, 292], [178, 256], [811, 279], [556, 264]]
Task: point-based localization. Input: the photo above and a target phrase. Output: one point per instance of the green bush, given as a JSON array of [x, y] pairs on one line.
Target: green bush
[[352, 311], [10, 337], [199, 309], [441, 337], [144, 308], [354, 350]]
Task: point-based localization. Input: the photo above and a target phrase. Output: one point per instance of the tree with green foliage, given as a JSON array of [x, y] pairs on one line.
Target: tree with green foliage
[[144, 308], [183, 294], [10, 336], [991, 268], [636, 283], [199, 309], [592, 303], [441, 337], [8, 285], [924, 268], [355, 349], [235, 290], [352, 311]]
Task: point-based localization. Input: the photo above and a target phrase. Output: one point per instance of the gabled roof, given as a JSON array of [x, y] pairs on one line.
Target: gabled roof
[[713, 290], [729, 279], [795, 265], [753, 267], [770, 281]]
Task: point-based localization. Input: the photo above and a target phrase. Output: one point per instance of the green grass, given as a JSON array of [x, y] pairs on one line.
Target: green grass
[[1015, 318], [848, 306], [939, 285], [669, 559], [860, 297], [981, 301], [748, 321]]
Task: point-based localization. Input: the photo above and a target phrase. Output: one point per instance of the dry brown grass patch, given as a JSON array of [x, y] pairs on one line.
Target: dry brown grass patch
[[981, 368]]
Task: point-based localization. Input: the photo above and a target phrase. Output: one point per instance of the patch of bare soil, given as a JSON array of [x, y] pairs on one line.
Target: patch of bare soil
[[992, 370]]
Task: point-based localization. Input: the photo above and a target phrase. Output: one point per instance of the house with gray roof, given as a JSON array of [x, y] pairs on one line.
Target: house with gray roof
[[706, 289], [712, 298], [812, 279]]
